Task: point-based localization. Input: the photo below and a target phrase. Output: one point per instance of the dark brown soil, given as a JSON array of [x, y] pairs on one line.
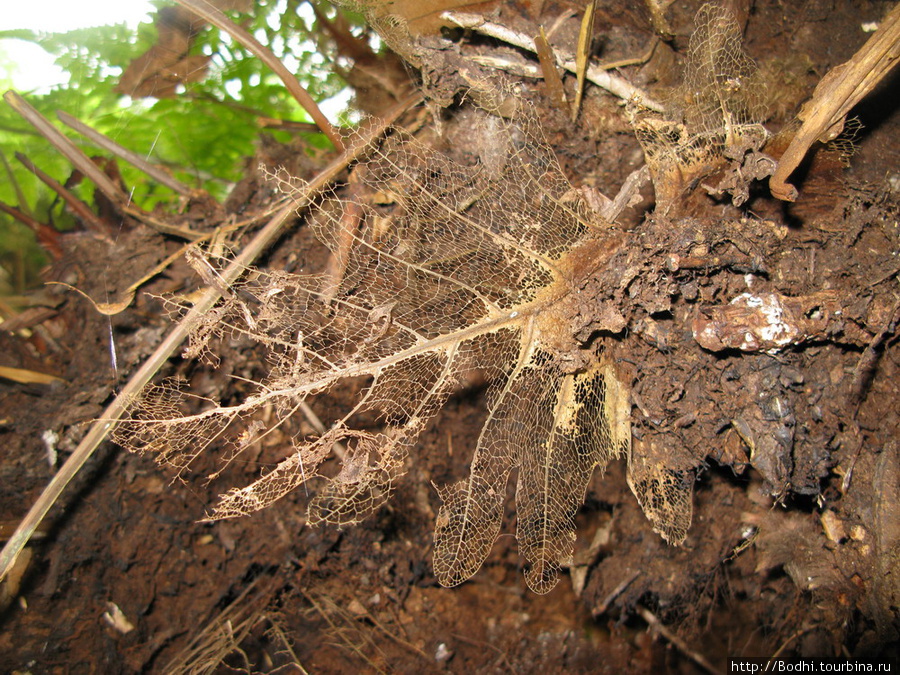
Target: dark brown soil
[[795, 453]]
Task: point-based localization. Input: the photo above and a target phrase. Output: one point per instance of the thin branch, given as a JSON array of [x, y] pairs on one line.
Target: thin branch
[[347, 43], [217, 18], [612, 83], [132, 158], [285, 125], [116, 409], [163, 226], [46, 235], [518, 67], [658, 626], [66, 147], [81, 210], [600, 609]]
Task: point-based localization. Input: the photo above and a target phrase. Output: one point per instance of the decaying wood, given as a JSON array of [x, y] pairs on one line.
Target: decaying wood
[[841, 89]]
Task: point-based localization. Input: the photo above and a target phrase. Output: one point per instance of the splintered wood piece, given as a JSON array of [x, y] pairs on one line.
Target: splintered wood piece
[[218, 19], [132, 158], [583, 54], [842, 88]]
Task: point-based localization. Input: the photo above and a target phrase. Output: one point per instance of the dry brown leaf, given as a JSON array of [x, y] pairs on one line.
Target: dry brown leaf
[[159, 71]]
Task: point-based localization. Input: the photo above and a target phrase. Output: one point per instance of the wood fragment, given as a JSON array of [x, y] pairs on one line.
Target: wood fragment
[[23, 376], [658, 626], [583, 54], [635, 61], [517, 67], [548, 67], [842, 88], [600, 609], [614, 84], [522, 68], [27, 318], [337, 261], [867, 365], [628, 195]]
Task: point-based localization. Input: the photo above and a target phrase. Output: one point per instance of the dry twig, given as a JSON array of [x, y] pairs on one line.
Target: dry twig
[[612, 83], [132, 158], [658, 626], [81, 210]]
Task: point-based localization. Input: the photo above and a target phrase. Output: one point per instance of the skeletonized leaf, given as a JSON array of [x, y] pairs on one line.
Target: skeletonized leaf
[[438, 270]]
